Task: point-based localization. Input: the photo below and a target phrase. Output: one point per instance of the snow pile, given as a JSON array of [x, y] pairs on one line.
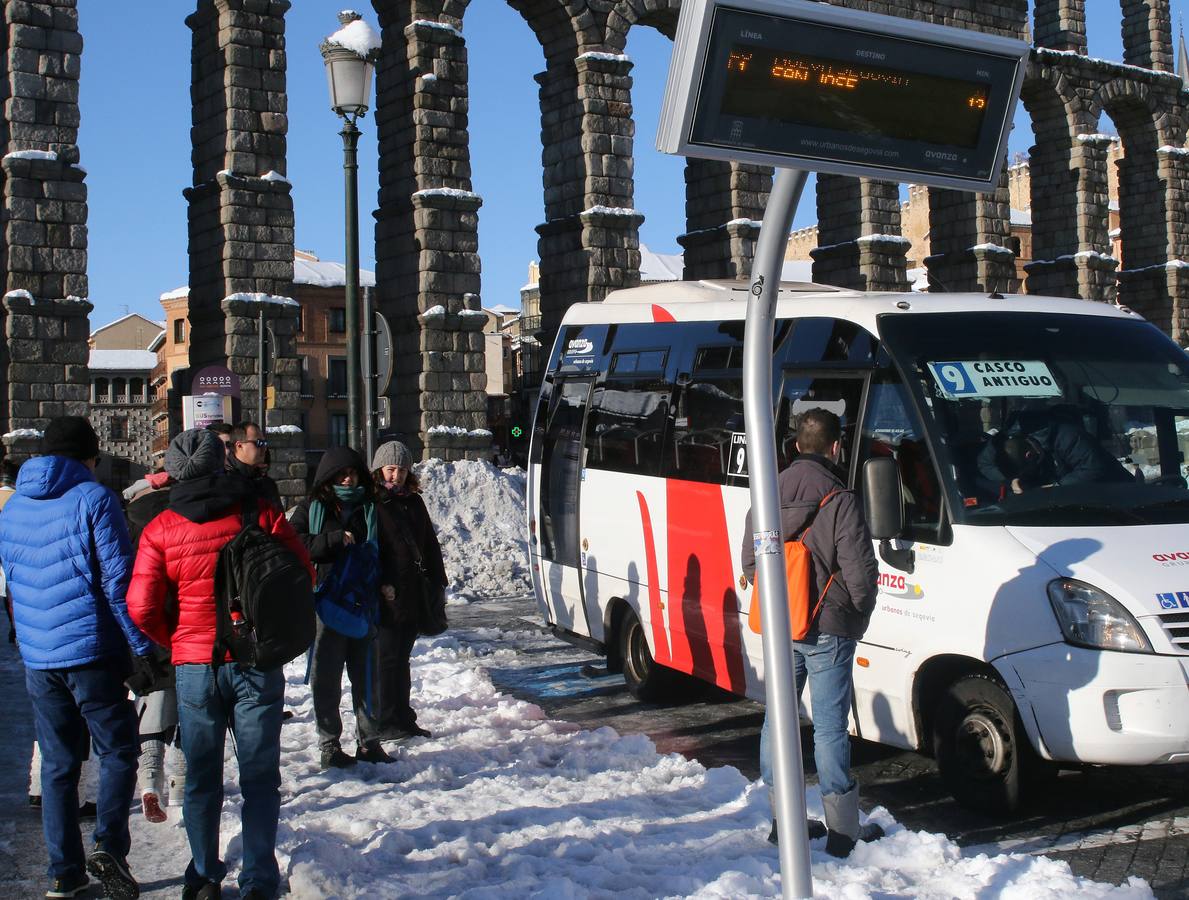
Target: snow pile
[[478, 511], [503, 802]]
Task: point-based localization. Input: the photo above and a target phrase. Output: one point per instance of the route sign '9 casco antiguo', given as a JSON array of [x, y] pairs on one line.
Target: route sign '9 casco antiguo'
[[809, 86]]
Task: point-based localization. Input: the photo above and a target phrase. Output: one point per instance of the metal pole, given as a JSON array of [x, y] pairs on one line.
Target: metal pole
[[369, 375], [779, 681], [350, 135], [262, 374]]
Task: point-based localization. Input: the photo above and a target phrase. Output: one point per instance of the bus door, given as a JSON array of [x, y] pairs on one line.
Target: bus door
[[563, 460]]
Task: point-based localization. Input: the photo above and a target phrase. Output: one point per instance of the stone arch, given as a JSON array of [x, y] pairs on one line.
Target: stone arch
[[1129, 105], [659, 14]]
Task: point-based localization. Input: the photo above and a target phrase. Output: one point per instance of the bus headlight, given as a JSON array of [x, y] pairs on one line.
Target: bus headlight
[[1091, 618]]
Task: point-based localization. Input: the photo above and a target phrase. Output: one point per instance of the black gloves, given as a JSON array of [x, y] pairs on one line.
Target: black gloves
[[146, 675]]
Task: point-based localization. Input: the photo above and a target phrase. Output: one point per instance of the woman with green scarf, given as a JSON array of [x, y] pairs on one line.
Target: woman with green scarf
[[338, 516]]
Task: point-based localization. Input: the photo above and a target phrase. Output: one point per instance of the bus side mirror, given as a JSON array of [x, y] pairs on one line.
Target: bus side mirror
[[883, 503], [883, 506]]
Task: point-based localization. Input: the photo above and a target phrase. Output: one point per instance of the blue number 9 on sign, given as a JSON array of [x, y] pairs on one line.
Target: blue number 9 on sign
[[953, 378]]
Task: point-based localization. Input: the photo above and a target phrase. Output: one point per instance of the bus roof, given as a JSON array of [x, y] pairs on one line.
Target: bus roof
[[694, 301]]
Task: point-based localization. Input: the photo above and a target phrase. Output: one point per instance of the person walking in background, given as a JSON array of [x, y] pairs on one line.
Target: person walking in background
[[156, 710], [177, 558], [814, 502], [336, 521], [64, 547], [249, 450], [415, 543]]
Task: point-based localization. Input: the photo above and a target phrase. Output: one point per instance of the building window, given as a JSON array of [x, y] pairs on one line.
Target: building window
[[119, 428], [120, 389], [179, 331], [301, 320], [338, 430], [102, 386], [1014, 244], [336, 381], [338, 319], [136, 389], [307, 387]]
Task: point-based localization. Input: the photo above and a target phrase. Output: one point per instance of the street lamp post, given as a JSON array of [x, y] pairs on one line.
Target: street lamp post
[[350, 56]]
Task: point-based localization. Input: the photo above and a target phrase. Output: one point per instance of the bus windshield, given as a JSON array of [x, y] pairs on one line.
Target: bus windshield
[[1048, 419]]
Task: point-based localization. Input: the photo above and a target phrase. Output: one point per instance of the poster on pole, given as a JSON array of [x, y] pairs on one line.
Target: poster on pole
[[205, 409]]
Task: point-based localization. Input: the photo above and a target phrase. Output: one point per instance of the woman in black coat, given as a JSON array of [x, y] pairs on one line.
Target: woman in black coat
[[341, 511], [413, 538]]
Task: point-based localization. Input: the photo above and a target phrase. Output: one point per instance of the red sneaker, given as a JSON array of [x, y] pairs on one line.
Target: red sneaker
[[151, 804]]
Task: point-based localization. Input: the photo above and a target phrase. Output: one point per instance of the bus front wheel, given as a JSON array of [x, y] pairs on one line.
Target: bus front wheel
[[646, 680], [981, 747]]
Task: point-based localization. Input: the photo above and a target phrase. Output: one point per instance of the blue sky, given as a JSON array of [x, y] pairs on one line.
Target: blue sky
[[135, 143]]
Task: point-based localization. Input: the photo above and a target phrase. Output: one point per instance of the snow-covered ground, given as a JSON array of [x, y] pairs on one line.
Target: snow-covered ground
[[503, 802]]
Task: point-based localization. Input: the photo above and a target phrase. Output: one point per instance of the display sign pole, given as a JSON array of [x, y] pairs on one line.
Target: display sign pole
[[780, 687], [261, 372]]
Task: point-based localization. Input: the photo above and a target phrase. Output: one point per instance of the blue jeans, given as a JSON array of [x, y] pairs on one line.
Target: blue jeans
[[826, 664], [250, 703], [63, 700]]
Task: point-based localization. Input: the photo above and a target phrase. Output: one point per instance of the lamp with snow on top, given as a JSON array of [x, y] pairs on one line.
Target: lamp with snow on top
[[350, 57]]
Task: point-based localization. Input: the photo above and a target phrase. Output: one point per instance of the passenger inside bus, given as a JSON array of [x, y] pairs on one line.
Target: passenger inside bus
[[1045, 447]]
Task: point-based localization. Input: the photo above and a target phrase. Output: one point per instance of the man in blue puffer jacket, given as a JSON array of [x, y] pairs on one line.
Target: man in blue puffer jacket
[[64, 547]]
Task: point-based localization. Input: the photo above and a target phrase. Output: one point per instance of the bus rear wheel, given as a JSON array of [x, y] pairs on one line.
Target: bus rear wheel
[[981, 747], [645, 678]]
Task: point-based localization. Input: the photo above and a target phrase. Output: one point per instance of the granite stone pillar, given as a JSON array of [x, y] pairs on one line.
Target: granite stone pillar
[[859, 240], [427, 262], [43, 364], [969, 241], [240, 213], [724, 205]]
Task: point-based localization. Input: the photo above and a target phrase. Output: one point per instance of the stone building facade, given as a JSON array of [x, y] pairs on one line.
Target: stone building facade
[[240, 214], [122, 413]]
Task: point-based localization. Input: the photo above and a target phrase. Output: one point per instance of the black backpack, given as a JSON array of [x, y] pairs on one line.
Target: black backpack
[[264, 600]]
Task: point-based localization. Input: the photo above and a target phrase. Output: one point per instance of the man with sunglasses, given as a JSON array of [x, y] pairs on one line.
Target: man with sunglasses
[[248, 450]]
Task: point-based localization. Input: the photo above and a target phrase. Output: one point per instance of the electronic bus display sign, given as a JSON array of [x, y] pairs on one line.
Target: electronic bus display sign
[[809, 86]]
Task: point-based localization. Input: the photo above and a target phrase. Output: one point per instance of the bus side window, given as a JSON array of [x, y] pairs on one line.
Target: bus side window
[[625, 428], [890, 428], [831, 341], [709, 409]]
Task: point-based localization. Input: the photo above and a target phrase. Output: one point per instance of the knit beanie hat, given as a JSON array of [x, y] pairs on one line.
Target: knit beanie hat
[[70, 436], [392, 453], [194, 453]]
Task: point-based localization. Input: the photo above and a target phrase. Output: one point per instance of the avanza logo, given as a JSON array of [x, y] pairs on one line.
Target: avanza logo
[[579, 346], [1171, 560], [1173, 600], [898, 586]]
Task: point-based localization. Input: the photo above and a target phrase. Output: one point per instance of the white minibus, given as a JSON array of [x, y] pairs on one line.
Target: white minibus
[[1034, 589]]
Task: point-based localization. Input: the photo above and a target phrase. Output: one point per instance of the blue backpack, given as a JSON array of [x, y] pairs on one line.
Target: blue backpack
[[347, 601]]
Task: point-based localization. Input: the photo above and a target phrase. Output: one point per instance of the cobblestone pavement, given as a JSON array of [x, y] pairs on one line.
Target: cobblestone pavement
[[1108, 823]]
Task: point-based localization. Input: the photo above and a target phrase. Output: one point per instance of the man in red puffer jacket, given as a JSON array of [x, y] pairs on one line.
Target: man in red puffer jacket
[[177, 556]]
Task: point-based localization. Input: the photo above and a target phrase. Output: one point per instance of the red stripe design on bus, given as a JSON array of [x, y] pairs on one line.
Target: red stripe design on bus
[[703, 606], [660, 643], [660, 314]]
